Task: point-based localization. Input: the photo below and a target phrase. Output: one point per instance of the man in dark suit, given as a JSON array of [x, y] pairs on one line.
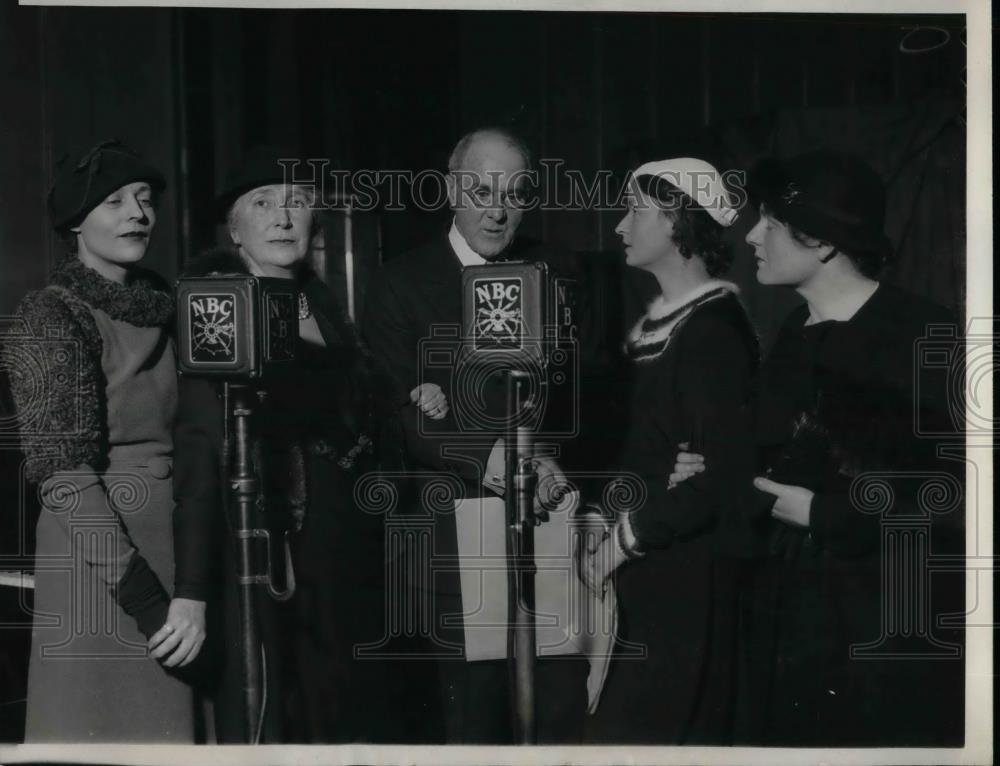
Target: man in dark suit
[[415, 295]]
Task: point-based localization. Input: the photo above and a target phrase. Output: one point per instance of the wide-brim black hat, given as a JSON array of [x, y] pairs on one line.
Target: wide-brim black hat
[[83, 180], [834, 197], [260, 166]]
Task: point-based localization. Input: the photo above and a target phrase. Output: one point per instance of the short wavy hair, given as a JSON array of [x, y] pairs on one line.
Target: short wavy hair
[[696, 233]]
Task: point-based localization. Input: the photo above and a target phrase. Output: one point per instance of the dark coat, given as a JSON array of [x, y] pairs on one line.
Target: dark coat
[[310, 419], [840, 403], [414, 296], [678, 602]]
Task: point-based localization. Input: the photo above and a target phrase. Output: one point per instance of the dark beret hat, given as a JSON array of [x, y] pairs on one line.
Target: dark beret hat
[[260, 166], [82, 181], [828, 195]]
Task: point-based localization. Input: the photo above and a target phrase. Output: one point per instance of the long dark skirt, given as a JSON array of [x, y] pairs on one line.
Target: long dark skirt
[[672, 681], [321, 685], [825, 671]]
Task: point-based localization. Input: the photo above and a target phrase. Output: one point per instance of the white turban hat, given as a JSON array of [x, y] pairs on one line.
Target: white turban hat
[[699, 180]]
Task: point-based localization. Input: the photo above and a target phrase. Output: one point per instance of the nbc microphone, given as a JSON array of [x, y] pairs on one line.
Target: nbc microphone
[[235, 326], [512, 314], [238, 329]]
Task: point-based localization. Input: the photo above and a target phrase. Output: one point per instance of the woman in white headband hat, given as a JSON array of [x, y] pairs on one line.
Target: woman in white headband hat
[[695, 352]]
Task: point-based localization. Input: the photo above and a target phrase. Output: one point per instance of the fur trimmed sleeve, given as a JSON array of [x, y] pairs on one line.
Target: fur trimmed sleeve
[[56, 382]]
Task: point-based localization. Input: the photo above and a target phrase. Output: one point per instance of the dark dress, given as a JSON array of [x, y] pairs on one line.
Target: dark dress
[[840, 410], [314, 434], [95, 411], [672, 680]]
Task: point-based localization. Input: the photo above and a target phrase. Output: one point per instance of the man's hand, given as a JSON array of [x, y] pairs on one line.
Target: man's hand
[[687, 465], [430, 399], [551, 485], [182, 635], [792, 504]]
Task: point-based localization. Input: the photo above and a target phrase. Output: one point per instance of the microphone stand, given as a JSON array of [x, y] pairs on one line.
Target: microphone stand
[[244, 486], [520, 480]]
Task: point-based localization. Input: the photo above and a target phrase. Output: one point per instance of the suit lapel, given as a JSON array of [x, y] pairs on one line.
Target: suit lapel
[[443, 283]]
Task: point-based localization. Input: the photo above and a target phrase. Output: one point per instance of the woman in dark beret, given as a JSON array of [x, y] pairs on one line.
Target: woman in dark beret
[[95, 411], [316, 429], [843, 647], [676, 554]]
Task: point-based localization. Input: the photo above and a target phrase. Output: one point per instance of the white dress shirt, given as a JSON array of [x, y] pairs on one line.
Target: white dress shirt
[[466, 254]]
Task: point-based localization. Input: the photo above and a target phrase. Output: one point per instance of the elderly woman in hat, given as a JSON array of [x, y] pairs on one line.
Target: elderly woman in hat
[[315, 429], [675, 551], [96, 409], [837, 404]]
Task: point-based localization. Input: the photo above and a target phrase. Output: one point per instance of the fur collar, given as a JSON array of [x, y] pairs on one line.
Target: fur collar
[[144, 300], [651, 334]]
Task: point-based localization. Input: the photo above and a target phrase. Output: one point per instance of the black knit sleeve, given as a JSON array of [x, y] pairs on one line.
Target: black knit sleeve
[[198, 486], [712, 386]]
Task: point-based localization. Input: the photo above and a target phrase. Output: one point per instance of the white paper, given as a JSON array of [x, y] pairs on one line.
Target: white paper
[[569, 619]]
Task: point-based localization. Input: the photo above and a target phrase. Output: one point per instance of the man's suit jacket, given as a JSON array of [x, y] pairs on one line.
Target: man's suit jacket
[[415, 295]]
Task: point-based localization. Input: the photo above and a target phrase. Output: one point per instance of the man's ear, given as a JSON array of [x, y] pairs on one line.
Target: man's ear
[[234, 235]]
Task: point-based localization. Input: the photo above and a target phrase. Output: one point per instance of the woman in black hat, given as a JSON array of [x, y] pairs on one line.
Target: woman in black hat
[[315, 431], [838, 406], [95, 399]]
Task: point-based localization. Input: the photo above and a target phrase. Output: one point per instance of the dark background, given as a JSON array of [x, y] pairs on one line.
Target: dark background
[[193, 89]]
